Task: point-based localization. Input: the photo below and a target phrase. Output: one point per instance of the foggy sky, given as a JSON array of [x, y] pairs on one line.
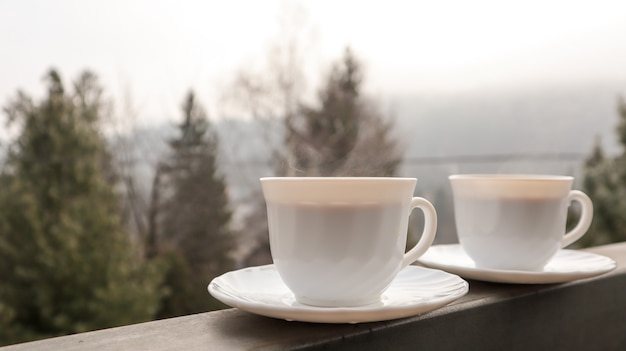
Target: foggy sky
[[154, 51]]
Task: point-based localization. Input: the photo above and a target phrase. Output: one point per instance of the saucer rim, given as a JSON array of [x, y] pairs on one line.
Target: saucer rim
[[514, 276], [337, 315]]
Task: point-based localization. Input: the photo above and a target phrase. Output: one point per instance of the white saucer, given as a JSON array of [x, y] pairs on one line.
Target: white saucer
[[260, 290], [567, 265]]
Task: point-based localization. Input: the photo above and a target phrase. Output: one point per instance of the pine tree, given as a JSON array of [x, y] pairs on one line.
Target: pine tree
[[66, 264], [195, 216], [605, 183], [344, 135]]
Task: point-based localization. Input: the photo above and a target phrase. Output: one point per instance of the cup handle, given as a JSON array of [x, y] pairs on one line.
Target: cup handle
[[585, 217], [428, 234]]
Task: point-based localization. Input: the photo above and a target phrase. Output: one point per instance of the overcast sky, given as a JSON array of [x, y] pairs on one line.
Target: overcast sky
[[156, 50]]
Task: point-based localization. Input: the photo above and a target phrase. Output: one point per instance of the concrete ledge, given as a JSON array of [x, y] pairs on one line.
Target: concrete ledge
[[587, 314]]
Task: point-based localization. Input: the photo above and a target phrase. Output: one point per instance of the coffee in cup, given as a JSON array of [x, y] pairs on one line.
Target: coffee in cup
[[516, 222], [340, 241]]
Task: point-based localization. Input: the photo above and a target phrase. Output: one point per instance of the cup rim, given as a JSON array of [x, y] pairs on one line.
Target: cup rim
[[510, 177]]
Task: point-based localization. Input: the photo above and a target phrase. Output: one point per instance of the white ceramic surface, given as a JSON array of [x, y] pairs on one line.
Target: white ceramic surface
[[260, 290], [566, 265], [516, 221], [340, 241]]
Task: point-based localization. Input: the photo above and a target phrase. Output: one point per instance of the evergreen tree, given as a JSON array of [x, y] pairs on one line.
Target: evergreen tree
[[605, 183], [66, 264], [195, 216], [344, 135]]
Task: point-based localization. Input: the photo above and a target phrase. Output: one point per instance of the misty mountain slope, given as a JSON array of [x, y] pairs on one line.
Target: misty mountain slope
[[522, 122], [563, 120]]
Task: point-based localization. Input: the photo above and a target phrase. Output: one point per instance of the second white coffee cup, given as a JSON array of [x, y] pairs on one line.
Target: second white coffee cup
[[516, 222], [340, 241]]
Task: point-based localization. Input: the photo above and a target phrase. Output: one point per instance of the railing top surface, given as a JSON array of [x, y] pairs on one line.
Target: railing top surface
[[233, 329]]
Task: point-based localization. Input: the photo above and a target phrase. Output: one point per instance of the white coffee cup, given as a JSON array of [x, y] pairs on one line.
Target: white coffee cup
[[340, 241], [516, 222]]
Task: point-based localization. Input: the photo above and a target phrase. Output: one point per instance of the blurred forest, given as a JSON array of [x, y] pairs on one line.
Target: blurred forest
[[83, 248], [80, 249]]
